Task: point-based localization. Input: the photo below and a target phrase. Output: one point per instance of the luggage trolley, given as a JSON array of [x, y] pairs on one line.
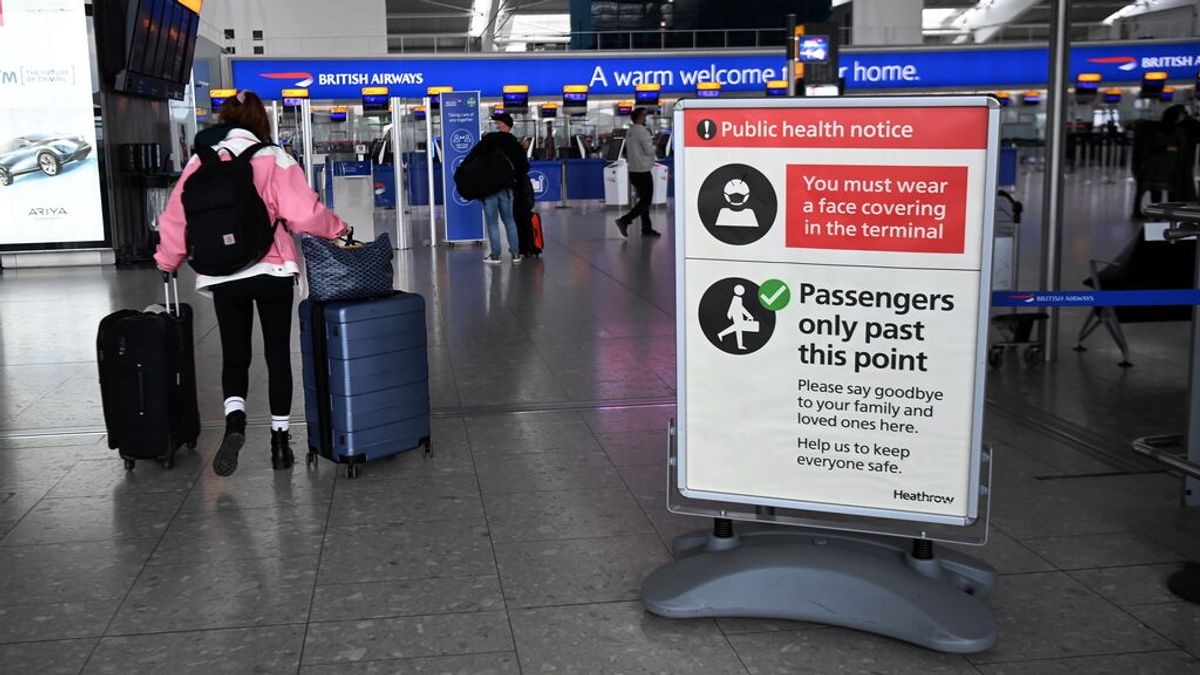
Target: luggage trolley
[[1014, 330]]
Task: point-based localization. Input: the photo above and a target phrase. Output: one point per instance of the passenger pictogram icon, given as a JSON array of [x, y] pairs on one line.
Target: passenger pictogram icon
[[732, 317]]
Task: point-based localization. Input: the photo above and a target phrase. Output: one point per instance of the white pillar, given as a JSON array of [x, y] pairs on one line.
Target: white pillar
[[887, 22]]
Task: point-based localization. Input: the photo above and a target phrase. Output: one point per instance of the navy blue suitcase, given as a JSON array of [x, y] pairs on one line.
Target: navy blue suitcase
[[366, 378]]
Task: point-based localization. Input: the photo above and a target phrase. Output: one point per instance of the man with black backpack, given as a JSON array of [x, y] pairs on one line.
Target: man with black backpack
[[489, 173], [232, 217]]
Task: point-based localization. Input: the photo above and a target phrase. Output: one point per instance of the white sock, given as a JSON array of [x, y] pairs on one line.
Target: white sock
[[279, 422], [234, 403]]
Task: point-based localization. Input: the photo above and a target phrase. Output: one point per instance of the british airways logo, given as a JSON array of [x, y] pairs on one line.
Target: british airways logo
[[1127, 62], [302, 80]]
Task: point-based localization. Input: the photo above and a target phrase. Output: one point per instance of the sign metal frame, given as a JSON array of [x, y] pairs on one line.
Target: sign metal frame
[[818, 514]]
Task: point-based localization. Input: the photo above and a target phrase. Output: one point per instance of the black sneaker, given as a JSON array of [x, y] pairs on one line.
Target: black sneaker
[[281, 450], [623, 228], [651, 233], [225, 461]]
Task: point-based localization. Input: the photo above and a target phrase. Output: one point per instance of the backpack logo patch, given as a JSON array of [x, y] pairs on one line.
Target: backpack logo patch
[[228, 239]]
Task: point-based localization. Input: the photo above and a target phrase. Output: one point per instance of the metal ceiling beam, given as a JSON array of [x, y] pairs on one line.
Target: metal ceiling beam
[[987, 17], [410, 16]]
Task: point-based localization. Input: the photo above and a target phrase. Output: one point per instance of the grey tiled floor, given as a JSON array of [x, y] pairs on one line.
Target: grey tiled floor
[[520, 546]]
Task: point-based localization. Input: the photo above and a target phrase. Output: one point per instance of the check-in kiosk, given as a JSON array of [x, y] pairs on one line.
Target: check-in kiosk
[[616, 173]]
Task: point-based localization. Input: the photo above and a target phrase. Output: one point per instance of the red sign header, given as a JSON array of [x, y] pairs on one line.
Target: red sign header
[[952, 128]]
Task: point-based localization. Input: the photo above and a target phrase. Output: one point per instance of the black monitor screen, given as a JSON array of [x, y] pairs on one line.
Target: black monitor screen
[[1152, 88], [776, 92], [178, 36], [141, 30], [1112, 98], [1166, 95], [646, 98], [418, 115], [164, 10], [708, 93], [1086, 87], [575, 99], [516, 101], [624, 110], [375, 103], [337, 117], [612, 149], [215, 104]]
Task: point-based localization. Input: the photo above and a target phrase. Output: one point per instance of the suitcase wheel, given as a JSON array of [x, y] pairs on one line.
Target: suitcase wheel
[[168, 463], [351, 471], [191, 445], [129, 464], [427, 446], [311, 460]]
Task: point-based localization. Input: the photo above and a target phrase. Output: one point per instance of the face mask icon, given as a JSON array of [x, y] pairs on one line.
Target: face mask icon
[[737, 193]]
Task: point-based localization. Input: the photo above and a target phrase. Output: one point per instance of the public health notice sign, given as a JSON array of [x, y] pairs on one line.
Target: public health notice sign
[[832, 302]]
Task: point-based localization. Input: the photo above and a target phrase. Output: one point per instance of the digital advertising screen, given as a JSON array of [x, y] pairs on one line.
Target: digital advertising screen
[[49, 173], [813, 49]]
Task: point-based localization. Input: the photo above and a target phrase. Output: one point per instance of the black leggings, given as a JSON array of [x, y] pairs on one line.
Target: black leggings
[[234, 302]]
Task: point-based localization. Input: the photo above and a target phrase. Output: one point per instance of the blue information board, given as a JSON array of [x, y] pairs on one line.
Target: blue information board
[[460, 133], [923, 68]]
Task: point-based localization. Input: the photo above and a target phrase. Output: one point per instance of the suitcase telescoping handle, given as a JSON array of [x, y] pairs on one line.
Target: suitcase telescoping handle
[[171, 282]]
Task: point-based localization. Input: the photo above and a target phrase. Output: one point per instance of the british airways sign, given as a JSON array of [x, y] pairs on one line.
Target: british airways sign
[[678, 73]]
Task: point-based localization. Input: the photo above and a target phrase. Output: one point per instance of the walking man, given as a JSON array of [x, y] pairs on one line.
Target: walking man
[[499, 206], [639, 152]]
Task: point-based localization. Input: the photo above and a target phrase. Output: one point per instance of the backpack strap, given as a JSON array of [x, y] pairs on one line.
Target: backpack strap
[[207, 154], [248, 154]]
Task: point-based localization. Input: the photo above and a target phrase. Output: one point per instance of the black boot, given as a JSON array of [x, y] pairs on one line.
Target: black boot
[[225, 461], [281, 450]]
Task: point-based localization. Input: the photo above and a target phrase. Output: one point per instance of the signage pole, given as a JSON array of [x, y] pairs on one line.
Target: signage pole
[[791, 55], [306, 131], [1052, 184], [275, 121], [396, 106], [562, 180], [429, 168]]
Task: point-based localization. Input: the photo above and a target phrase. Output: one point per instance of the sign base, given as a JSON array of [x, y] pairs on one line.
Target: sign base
[[857, 581]]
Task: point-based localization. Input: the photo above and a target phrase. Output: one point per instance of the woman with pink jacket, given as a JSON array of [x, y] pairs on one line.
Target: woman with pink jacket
[[267, 283]]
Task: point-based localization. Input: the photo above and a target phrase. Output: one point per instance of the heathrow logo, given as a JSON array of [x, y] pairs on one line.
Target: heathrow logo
[[1127, 62], [305, 79]]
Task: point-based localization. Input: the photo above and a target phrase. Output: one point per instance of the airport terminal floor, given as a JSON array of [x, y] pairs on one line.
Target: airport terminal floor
[[521, 544]]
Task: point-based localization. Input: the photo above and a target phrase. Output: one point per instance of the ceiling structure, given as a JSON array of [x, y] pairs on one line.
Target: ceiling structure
[[519, 25]]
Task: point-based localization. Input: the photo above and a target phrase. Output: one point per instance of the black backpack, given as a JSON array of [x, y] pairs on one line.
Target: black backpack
[[228, 226], [484, 175]]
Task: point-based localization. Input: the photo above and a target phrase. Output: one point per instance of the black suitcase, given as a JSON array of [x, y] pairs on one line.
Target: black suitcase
[[148, 381]]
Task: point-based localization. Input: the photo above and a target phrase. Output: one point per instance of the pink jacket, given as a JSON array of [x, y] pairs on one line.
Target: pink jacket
[[282, 185]]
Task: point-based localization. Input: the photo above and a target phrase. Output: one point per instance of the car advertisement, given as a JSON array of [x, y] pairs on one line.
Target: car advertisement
[[863, 69], [49, 176]]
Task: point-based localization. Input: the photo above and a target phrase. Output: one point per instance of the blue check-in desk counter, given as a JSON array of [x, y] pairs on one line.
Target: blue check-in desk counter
[[585, 178], [417, 177], [384, 177], [545, 176]]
